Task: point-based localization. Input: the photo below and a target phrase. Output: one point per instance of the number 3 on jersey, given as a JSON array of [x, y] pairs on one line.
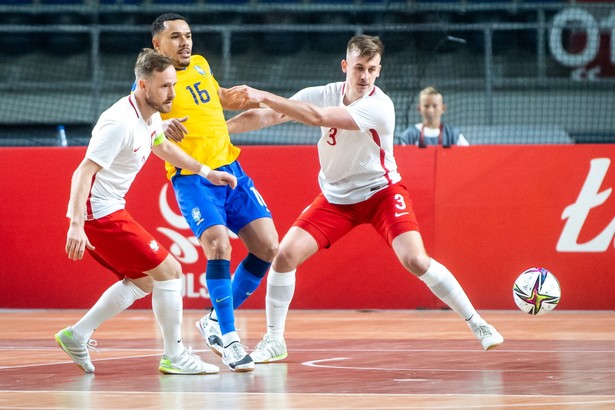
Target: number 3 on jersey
[[332, 134], [203, 95]]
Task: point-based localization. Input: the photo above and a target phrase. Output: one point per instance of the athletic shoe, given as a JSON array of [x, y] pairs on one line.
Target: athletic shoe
[[269, 350], [186, 363], [210, 329], [76, 350], [487, 335], [236, 358]]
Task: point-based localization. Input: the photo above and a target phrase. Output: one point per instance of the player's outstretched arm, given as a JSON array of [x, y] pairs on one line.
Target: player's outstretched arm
[[306, 113], [175, 156], [254, 119]]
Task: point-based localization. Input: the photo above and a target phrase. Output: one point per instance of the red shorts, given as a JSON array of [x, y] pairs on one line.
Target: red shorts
[[124, 246], [389, 211]]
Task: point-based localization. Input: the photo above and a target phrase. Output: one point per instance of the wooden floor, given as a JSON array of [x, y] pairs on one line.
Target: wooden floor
[[337, 360]]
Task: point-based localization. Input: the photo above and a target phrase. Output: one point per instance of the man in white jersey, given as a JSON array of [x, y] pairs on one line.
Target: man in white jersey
[[431, 130], [121, 142], [359, 183]]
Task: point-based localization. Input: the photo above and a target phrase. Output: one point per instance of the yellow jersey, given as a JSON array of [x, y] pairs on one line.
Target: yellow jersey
[[208, 140]]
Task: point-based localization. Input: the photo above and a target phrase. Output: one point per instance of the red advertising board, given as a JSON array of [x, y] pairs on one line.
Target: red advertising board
[[502, 210], [486, 212]]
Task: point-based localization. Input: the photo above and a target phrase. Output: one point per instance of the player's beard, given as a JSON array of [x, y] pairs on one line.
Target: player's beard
[[160, 107], [182, 62]]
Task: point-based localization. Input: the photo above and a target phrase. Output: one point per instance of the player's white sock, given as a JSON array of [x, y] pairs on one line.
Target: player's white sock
[[117, 298], [167, 305], [280, 290], [444, 285]]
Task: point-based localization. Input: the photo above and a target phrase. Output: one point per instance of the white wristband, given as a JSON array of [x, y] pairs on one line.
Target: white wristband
[[204, 171]]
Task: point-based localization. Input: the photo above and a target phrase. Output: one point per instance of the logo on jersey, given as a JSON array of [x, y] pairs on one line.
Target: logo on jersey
[[154, 245], [199, 70], [196, 215]]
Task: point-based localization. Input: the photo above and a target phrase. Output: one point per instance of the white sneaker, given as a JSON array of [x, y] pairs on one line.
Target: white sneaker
[[487, 335], [269, 350], [210, 330], [186, 363], [77, 351], [236, 358]]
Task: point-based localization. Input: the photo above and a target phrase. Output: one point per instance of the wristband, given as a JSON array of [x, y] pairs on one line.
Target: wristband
[[204, 171]]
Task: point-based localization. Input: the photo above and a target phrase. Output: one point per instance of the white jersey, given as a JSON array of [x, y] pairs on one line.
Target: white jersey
[[355, 164], [121, 143]]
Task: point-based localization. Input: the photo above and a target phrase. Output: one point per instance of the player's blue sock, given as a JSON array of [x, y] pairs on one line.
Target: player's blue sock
[[247, 277], [218, 279]]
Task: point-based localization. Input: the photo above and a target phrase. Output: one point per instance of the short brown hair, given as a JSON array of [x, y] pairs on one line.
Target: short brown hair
[[150, 60], [366, 46]]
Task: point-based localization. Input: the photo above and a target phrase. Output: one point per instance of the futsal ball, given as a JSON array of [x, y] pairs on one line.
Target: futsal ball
[[536, 291]]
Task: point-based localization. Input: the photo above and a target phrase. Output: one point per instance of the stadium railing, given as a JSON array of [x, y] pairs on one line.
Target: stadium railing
[[511, 71]]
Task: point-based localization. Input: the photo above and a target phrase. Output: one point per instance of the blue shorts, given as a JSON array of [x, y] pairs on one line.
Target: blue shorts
[[204, 204]]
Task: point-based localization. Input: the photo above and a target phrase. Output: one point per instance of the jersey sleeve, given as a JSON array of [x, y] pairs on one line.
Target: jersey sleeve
[[108, 139], [373, 113], [312, 95]]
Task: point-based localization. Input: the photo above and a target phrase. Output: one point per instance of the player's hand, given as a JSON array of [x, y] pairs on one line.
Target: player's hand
[[245, 97], [222, 178], [235, 98], [76, 242], [174, 129]]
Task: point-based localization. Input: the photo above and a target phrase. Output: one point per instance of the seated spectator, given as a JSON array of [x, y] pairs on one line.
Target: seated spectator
[[431, 131]]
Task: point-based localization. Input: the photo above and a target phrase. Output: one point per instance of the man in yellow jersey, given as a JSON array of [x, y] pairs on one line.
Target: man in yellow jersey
[[196, 122]]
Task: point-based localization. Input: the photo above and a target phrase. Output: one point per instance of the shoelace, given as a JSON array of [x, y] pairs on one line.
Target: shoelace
[[235, 346], [263, 343], [483, 330], [189, 353], [92, 345], [191, 358], [268, 342]]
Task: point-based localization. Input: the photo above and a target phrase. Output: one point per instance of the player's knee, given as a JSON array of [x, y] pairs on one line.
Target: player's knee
[[285, 260], [140, 287], [175, 269], [417, 264], [218, 249], [269, 251], [169, 269]]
